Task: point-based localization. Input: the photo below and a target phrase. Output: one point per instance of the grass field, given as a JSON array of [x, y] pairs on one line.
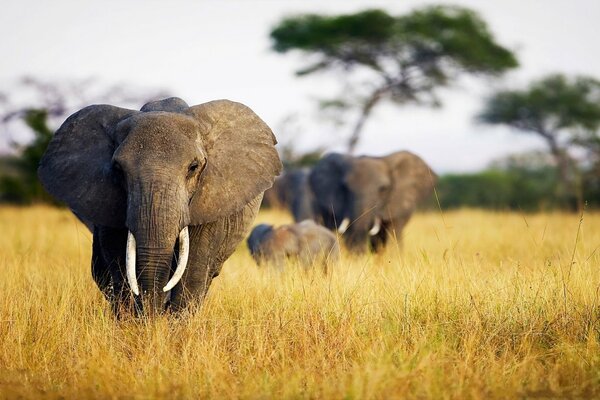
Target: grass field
[[476, 305]]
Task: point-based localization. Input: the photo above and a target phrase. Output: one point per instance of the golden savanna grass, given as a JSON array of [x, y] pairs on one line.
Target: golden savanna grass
[[476, 305]]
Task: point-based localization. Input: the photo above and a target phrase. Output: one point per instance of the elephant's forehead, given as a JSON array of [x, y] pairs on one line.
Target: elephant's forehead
[[166, 133], [161, 125], [368, 170], [159, 138]]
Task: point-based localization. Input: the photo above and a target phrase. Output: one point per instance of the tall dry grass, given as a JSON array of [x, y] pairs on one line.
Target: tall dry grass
[[476, 305]]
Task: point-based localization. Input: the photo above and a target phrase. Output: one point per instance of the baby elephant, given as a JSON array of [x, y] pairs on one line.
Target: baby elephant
[[305, 241]]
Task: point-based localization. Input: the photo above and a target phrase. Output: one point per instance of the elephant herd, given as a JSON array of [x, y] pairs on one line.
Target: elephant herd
[[368, 200], [170, 190]]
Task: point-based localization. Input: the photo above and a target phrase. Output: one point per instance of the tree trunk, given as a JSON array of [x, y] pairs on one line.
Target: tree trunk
[[566, 171], [364, 114]]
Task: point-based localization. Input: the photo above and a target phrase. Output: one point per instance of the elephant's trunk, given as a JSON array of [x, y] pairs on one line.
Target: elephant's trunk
[[153, 267], [359, 230], [156, 219], [130, 257]]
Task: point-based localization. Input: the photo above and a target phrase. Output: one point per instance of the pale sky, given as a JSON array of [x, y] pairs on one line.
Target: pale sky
[[205, 50]]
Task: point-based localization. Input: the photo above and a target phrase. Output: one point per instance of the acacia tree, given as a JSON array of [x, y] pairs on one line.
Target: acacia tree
[[404, 59], [563, 111]]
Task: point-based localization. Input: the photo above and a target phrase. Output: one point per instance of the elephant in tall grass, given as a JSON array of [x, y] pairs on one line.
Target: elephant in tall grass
[[291, 191], [169, 191], [306, 242], [369, 199]]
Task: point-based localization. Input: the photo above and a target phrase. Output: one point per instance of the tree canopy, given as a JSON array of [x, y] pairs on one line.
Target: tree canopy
[[409, 56], [548, 106], [563, 111]]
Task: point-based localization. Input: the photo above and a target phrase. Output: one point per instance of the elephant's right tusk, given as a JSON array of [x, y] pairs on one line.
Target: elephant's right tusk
[[376, 227], [130, 263], [184, 252], [344, 225]]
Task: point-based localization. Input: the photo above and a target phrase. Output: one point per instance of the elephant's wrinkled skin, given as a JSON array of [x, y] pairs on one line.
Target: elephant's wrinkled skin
[[369, 199], [140, 178], [305, 241]]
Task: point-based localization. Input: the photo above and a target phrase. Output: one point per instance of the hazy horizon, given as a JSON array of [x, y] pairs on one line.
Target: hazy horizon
[[204, 50]]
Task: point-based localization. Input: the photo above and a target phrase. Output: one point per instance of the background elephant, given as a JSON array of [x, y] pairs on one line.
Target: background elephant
[[169, 192], [291, 191], [306, 241], [369, 197]]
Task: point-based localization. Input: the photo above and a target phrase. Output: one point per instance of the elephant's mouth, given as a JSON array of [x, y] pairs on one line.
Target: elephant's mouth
[[375, 228], [130, 256]]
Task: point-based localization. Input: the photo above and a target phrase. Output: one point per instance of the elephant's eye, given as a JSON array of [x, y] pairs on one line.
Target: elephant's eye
[[193, 169]]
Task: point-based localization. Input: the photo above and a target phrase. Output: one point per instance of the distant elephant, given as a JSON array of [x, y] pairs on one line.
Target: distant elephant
[[305, 241], [291, 191], [369, 199], [164, 188]]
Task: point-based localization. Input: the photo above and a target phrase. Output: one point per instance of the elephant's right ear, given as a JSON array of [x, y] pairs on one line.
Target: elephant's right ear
[[241, 159], [76, 167], [413, 181], [326, 180]]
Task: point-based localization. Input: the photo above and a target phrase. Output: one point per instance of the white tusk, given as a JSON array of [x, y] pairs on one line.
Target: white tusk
[[344, 225], [130, 263], [184, 252], [376, 227]]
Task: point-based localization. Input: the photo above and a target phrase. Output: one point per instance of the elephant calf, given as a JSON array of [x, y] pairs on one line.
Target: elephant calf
[[305, 241]]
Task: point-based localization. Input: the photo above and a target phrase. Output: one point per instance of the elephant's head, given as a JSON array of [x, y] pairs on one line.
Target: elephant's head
[[359, 196], [157, 171]]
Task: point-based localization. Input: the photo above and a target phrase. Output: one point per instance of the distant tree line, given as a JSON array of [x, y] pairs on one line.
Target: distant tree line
[[18, 179], [49, 104], [401, 59]]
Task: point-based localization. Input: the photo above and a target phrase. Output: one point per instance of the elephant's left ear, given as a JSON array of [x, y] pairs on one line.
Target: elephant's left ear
[[413, 181], [76, 167], [241, 159]]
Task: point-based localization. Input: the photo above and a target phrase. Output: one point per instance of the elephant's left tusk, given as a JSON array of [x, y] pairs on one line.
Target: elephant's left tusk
[[376, 227], [344, 225], [184, 252], [130, 264]]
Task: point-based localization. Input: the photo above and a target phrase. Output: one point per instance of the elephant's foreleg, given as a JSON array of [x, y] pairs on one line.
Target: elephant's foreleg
[[110, 244], [204, 263], [208, 250], [210, 245], [100, 270], [193, 287]]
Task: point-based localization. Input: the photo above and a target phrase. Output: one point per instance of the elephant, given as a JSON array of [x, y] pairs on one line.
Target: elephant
[[291, 191], [169, 191], [369, 199], [305, 241]]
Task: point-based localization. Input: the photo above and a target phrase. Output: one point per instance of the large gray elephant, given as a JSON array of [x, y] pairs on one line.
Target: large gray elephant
[[369, 199], [305, 241], [169, 190], [291, 192]]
